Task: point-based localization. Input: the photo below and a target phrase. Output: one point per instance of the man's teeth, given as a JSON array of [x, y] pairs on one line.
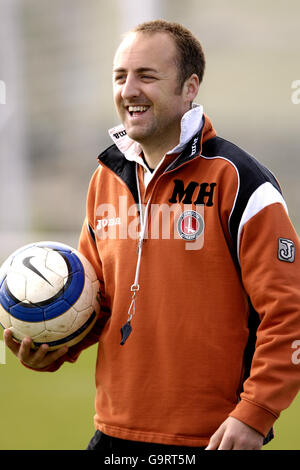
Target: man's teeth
[[137, 109]]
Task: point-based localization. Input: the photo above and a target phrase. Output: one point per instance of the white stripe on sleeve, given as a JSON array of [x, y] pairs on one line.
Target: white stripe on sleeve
[[263, 196]]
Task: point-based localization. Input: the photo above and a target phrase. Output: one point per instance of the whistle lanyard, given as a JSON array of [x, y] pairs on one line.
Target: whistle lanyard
[[127, 328]]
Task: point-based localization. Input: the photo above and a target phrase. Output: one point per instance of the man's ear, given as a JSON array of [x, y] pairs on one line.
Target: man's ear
[[191, 88]]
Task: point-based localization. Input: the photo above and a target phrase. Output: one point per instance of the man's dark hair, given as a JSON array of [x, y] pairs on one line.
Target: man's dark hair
[[190, 58]]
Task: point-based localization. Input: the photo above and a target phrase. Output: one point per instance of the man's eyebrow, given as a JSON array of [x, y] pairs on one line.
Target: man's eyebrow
[[139, 70]]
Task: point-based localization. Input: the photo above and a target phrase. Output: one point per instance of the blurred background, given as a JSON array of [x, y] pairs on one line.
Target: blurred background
[[55, 109]]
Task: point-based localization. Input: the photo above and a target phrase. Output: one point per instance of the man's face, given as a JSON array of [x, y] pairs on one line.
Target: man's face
[[145, 86]]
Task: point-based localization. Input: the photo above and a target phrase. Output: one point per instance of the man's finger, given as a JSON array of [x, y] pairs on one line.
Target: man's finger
[[38, 356], [41, 358], [226, 443], [215, 439], [13, 345], [36, 359], [54, 355], [25, 350]]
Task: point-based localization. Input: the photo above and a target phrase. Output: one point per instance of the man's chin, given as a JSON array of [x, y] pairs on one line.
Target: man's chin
[[135, 134]]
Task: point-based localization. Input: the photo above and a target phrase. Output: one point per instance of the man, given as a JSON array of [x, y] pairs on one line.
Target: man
[[181, 373]]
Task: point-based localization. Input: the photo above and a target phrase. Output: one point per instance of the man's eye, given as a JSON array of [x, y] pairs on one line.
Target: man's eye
[[120, 78], [147, 77]]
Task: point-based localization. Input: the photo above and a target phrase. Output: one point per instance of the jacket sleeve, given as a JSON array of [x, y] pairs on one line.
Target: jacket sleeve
[[270, 267], [87, 246]]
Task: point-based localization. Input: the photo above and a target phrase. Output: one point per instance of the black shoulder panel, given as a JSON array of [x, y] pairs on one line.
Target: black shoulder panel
[[114, 159], [251, 175]]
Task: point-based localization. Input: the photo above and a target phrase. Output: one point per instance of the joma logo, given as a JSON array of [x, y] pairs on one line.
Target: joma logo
[[102, 223]]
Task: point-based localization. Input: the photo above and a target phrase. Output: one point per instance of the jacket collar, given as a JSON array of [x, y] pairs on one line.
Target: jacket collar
[[125, 167], [191, 124]]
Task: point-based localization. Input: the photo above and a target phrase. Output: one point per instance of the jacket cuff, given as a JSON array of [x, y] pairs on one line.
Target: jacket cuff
[[254, 416]]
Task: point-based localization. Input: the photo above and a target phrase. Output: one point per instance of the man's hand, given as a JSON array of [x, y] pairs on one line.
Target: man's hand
[[36, 359], [235, 435]]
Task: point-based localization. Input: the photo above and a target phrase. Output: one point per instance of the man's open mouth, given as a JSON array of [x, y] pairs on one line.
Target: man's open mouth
[[137, 110]]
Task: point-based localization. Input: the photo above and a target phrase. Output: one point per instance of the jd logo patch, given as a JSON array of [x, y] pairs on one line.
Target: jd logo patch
[[286, 250]]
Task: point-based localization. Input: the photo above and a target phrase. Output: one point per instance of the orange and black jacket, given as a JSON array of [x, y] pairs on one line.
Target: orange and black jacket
[[217, 324]]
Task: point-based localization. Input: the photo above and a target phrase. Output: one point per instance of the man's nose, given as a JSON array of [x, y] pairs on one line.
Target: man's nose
[[130, 88]]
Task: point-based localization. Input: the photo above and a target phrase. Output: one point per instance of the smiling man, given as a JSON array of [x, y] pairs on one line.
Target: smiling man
[[196, 329]]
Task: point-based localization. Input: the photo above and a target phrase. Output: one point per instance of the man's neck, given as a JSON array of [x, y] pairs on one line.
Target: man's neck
[[154, 155], [153, 160]]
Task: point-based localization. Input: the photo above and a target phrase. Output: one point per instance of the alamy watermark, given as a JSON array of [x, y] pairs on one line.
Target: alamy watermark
[[2, 92], [2, 352], [295, 96]]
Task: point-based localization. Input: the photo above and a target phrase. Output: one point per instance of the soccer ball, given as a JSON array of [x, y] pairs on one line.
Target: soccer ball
[[50, 292]]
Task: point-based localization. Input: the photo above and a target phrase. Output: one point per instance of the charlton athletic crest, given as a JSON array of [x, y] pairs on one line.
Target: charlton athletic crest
[[190, 225]]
